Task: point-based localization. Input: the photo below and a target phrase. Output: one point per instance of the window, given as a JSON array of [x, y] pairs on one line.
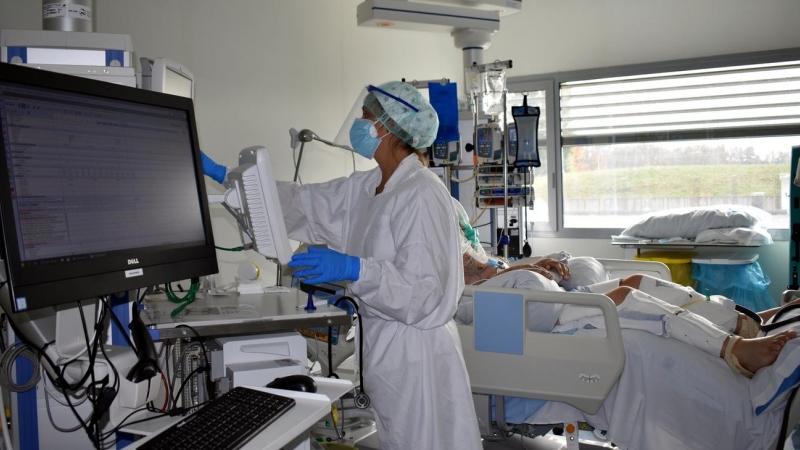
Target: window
[[539, 215], [630, 140]]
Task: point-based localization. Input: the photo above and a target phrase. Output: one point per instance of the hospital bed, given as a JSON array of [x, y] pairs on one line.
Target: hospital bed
[[645, 390]]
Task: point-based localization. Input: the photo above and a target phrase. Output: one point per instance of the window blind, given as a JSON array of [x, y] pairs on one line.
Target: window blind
[[755, 100]]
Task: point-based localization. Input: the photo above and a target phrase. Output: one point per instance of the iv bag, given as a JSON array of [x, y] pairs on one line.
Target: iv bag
[[472, 78], [494, 85], [526, 121]]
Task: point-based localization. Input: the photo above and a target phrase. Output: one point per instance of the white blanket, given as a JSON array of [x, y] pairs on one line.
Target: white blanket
[[672, 396]]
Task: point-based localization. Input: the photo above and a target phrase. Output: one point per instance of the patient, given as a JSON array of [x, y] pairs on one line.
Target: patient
[[679, 312]]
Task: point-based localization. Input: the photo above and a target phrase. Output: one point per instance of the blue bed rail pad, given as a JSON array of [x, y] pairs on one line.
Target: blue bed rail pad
[[499, 323]]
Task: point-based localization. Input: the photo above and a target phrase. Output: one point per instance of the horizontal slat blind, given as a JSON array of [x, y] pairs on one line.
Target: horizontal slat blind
[[763, 99]]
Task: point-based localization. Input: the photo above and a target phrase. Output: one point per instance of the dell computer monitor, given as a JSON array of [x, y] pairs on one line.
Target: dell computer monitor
[[101, 189]]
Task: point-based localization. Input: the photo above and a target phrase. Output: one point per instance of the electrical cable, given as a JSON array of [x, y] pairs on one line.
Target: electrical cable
[[231, 249], [92, 431], [122, 329], [331, 373], [184, 301], [146, 419], [2, 332], [186, 381], [59, 382], [190, 346], [81, 397], [360, 340], [108, 363], [333, 422], [316, 349], [92, 428], [166, 391], [69, 359], [6, 434], [123, 423], [167, 359], [201, 340], [140, 298], [7, 360], [464, 180], [77, 427]]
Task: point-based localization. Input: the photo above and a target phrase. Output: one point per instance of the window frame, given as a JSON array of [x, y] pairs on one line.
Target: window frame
[[551, 82], [549, 91]]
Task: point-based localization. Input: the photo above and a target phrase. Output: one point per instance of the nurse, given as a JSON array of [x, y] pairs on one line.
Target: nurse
[[390, 232]]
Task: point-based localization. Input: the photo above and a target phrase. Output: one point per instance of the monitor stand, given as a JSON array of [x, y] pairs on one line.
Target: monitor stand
[[72, 332]]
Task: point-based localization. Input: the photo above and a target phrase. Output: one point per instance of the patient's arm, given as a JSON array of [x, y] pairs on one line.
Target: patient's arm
[[555, 265], [530, 267], [543, 268], [476, 272]]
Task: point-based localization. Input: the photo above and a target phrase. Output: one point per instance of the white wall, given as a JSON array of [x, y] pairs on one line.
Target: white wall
[[263, 66], [555, 36]]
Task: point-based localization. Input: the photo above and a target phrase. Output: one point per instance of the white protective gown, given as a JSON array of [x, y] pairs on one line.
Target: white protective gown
[[411, 279]]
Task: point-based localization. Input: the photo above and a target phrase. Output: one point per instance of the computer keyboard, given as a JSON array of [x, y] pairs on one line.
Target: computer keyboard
[[227, 422]]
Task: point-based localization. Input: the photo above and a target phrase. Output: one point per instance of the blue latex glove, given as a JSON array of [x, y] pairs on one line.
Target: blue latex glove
[[213, 170], [326, 266]]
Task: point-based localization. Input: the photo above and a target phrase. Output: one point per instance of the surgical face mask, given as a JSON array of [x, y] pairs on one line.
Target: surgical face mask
[[364, 137]]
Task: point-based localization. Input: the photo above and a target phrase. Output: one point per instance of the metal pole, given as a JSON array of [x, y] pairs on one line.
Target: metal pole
[[492, 228], [524, 224], [423, 84], [297, 164], [505, 174]]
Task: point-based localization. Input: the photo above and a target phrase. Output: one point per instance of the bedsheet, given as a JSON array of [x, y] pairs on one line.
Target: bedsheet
[[670, 396]]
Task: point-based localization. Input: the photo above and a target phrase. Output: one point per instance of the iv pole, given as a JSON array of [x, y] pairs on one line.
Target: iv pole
[[505, 175]]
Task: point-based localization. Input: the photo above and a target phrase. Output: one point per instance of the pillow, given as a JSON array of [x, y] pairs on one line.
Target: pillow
[[541, 317], [689, 222], [584, 271], [743, 236], [771, 385]]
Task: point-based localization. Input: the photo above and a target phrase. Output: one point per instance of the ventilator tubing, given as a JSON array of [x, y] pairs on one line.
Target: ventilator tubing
[[719, 310], [681, 324]]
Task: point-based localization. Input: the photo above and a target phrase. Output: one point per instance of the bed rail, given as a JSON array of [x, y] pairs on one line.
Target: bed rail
[[578, 370]]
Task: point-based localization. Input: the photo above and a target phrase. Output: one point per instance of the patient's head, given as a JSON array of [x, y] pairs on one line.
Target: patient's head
[[584, 271]]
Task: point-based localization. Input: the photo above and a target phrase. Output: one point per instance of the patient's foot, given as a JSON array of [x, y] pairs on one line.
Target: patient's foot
[[756, 353]]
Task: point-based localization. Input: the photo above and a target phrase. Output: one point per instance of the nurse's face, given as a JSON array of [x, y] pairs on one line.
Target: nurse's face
[[366, 113]]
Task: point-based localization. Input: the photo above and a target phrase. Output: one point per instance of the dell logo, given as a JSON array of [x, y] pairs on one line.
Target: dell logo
[[133, 261]]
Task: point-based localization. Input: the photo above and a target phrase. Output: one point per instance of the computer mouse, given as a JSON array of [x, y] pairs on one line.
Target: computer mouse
[[301, 383]]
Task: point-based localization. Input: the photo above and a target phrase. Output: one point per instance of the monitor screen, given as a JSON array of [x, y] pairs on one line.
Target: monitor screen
[[102, 188], [177, 84]]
